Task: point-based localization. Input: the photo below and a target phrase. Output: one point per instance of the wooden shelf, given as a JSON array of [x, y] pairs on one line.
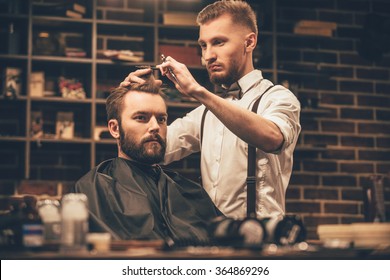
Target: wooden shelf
[[61, 59], [76, 140], [55, 20], [61, 100], [96, 32], [13, 139]]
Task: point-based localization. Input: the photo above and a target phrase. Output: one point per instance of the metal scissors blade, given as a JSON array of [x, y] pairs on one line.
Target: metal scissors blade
[[146, 67]]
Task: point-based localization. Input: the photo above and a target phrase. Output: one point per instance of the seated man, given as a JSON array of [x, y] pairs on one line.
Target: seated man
[[130, 196]]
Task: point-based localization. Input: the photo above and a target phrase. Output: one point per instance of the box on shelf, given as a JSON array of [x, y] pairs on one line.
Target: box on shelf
[[185, 54], [37, 84], [12, 82], [71, 88], [123, 55], [64, 125]]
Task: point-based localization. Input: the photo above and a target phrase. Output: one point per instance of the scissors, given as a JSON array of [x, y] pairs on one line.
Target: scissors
[[163, 58]]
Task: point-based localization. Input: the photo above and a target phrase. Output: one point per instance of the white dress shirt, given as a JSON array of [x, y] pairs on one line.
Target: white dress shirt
[[224, 155]]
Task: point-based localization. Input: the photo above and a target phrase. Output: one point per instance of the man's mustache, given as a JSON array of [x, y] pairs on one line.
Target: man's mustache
[[156, 138]]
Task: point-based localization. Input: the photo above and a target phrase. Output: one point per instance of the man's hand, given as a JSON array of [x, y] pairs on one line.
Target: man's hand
[[184, 80], [137, 77]]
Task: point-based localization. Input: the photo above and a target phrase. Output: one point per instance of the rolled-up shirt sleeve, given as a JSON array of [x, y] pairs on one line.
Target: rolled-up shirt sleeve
[[283, 109]]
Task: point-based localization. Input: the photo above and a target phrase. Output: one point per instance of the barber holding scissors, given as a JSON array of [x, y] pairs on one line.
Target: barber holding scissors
[[223, 128]]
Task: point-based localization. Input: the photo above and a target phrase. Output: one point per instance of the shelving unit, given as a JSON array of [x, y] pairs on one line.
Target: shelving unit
[[137, 25]]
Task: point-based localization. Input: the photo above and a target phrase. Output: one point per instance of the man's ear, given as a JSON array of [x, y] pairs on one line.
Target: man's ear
[[250, 42], [113, 127]]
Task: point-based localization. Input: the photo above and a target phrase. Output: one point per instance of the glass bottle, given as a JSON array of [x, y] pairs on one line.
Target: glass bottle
[[32, 227]]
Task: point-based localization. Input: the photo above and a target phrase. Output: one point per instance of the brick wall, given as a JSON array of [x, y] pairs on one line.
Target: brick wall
[[353, 137], [344, 142]]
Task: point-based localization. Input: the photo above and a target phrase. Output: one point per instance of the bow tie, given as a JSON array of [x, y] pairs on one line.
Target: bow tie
[[234, 90]]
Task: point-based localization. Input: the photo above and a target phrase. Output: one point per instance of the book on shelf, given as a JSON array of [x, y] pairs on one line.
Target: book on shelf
[[75, 52], [64, 125], [73, 14], [77, 7], [13, 39], [12, 82], [182, 18], [36, 124], [123, 55], [50, 87], [60, 8], [37, 84]]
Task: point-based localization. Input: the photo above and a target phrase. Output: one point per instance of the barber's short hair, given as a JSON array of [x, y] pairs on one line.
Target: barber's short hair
[[240, 11], [114, 102]]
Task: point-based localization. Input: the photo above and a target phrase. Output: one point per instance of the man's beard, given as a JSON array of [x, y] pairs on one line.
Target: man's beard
[[138, 152], [229, 78]]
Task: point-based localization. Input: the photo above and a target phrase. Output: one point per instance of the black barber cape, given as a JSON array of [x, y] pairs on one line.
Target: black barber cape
[[135, 201]]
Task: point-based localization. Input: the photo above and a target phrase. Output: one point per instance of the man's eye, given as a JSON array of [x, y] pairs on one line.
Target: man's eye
[[162, 120], [140, 118]]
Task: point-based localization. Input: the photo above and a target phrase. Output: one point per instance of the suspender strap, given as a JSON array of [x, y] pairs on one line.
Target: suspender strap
[[202, 125], [251, 172]]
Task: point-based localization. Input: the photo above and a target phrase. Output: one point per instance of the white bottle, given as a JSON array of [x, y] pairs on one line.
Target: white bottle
[[74, 222], [49, 210]]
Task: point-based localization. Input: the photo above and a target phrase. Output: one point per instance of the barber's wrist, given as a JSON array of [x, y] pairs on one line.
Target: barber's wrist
[[199, 93]]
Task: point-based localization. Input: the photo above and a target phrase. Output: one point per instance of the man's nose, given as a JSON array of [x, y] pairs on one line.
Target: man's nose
[[154, 125], [208, 54]]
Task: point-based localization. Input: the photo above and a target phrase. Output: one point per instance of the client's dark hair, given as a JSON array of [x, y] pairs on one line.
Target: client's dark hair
[[114, 102]]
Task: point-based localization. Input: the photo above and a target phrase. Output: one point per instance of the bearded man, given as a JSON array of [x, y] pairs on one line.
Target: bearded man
[[131, 196]]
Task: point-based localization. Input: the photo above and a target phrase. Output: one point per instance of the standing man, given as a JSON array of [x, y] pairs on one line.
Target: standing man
[[228, 36]]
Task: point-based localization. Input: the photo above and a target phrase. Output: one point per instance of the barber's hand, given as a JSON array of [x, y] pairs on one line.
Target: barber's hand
[[136, 77], [182, 78]]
